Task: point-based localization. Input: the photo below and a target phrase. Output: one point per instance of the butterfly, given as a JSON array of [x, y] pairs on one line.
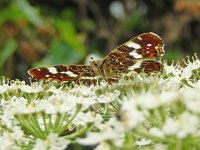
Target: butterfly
[[136, 55]]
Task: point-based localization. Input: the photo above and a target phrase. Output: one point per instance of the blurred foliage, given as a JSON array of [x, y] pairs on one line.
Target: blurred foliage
[[37, 33]]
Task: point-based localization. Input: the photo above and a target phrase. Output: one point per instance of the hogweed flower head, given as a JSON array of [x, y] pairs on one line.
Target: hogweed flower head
[[144, 111]]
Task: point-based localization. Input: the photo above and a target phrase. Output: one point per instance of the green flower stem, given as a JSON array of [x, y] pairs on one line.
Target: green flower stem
[[179, 145], [129, 138], [25, 124], [57, 122], [62, 129], [196, 74], [162, 113], [27, 95], [186, 83], [152, 137], [33, 119], [64, 118], [26, 147], [115, 107], [49, 125], [195, 141], [45, 123], [32, 123]]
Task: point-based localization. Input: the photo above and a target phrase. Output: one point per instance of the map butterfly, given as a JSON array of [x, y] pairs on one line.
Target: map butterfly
[[136, 55]]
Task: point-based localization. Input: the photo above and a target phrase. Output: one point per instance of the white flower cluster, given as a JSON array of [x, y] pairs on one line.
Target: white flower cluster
[[156, 111]]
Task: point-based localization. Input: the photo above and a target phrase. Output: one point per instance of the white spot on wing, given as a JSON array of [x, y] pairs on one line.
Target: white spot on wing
[[69, 73], [155, 34], [47, 75], [31, 75], [52, 70], [135, 54], [136, 65], [139, 38], [134, 45], [149, 44]]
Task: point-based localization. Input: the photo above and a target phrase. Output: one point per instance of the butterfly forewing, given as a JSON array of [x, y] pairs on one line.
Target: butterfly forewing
[[63, 73], [132, 53], [146, 45]]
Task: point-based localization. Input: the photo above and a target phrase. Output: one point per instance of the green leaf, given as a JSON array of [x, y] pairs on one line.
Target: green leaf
[[30, 12], [69, 35], [19, 10], [61, 53], [11, 13], [173, 54], [135, 21], [88, 25], [7, 51]]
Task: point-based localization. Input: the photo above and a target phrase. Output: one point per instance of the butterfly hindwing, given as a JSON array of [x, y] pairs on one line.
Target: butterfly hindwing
[[125, 66], [147, 66]]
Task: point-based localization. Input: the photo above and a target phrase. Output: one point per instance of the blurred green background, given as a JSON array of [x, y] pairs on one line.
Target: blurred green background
[[38, 33]]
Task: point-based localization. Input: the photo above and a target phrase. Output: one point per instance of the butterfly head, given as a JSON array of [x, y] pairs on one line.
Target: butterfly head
[[96, 66]]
